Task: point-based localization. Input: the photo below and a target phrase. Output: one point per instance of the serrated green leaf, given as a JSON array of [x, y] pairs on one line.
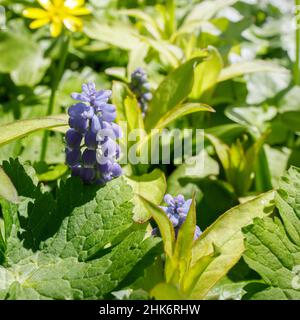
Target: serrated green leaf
[[43, 276], [70, 247], [273, 245], [93, 221]]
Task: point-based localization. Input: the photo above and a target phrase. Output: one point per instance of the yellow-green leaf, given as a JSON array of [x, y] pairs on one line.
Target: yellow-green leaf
[[19, 129], [181, 111], [206, 75], [241, 68], [7, 189], [175, 113], [164, 224], [151, 186], [173, 90], [185, 236], [166, 291], [226, 234]]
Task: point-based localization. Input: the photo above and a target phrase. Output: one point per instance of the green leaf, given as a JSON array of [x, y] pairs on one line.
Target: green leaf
[[206, 75], [254, 118], [151, 186], [164, 224], [226, 234], [263, 179], [169, 54], [7, 189], [148, 22], [206, 10], [19, 129], [266, 85], [117, 72], [23, 58], [290, 119], [70, 247], [192, 275], [181, 111], [289, 109], [47, 277], [173, 90], [183, 246], [115, 34], [172, 115], [273, 245], [226, 289], [166, 291], [191, 169], [240, 164], [54, 173], [137, 58], [242, 68], [128, 109], [185, 237], [226, 132]]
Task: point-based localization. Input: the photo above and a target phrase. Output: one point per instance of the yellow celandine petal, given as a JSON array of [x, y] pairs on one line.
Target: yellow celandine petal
[[58, 13], [39, 23], [73, 24], [35, 13], [56, 28], [71, 4], [58, 3], [80, 11], [46, 4]]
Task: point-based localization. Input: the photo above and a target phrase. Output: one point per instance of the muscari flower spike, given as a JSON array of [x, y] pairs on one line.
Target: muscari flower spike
[[140, 86], [58, 13], [177, 209], [92, 150]]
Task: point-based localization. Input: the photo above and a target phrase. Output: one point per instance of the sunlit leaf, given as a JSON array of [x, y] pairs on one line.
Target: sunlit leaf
[[7, 189], [241, 68], [151, 186], [173, 90], [164, 224], [206, 75], [226, 234], [22, 128]]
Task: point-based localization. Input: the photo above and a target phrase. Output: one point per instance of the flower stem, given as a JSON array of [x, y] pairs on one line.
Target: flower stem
[[55, 84], [171, 17], [297, 62]]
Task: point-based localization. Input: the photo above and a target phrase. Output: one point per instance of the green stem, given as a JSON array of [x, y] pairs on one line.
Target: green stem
[[171, 17], [54, 87], [297, 62]]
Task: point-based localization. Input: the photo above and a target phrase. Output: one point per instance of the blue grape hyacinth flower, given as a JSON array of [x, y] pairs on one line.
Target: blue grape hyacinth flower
[[92, 151], [140, 86], [177, 210]]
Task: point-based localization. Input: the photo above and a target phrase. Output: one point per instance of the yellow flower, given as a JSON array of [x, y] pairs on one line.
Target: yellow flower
[[58, 13]]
